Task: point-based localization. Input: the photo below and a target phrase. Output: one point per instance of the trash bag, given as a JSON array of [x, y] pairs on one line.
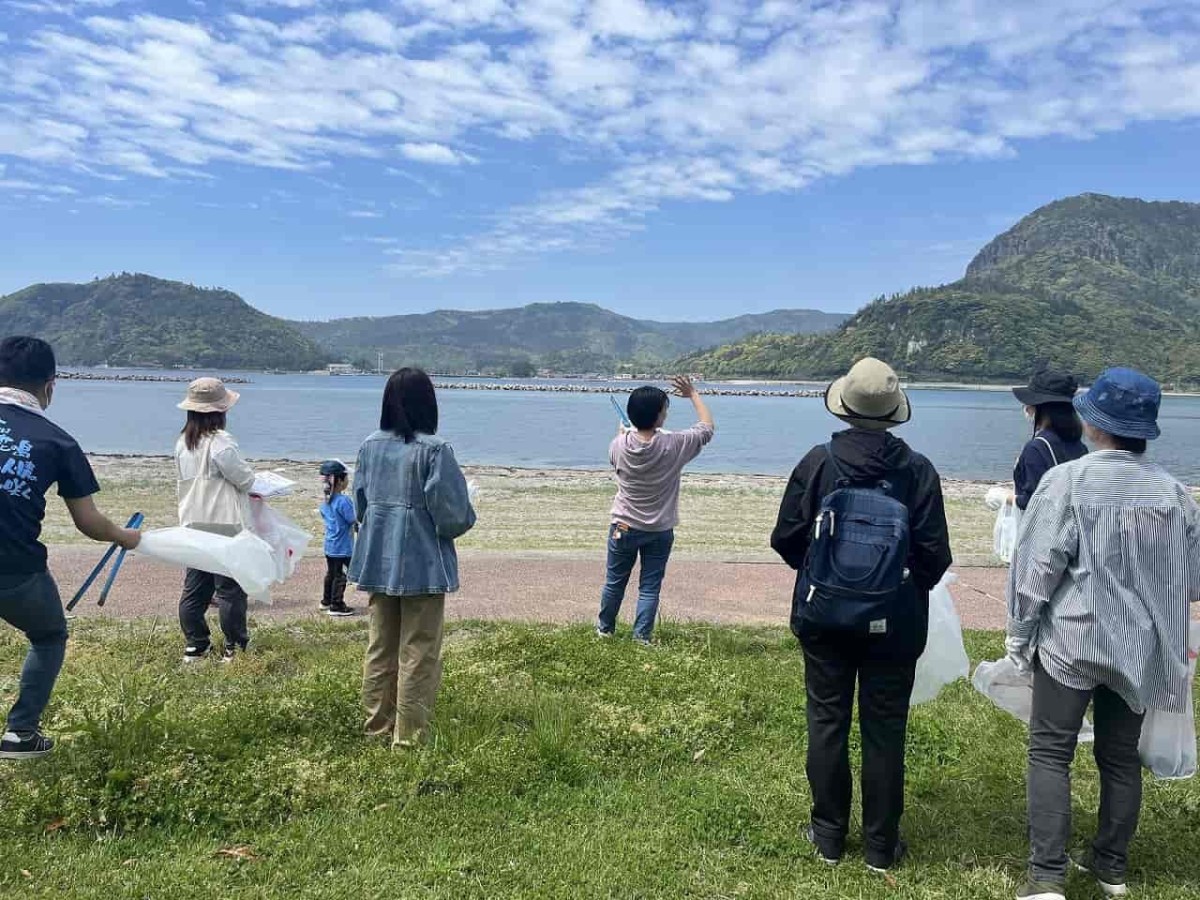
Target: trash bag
[[1012, 690], [1168, 744], [1004, 533], [286, 539], [246, 559], [945, 658]]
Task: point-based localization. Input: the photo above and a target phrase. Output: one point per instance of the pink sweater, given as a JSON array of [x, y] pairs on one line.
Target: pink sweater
[[648, 475]]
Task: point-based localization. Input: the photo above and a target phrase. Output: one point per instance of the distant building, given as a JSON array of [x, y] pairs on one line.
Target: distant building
[[342, 369]]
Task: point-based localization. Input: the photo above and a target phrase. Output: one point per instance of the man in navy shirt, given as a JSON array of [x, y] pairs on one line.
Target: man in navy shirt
[[35, 454]]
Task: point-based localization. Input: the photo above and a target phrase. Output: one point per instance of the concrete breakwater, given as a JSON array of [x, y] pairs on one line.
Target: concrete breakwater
[[128, 376], [502, 387]]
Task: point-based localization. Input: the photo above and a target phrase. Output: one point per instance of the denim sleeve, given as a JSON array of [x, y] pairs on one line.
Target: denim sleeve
[[446, 495], [360, 486]]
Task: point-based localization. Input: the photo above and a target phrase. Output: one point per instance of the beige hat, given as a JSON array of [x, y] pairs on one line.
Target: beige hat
[[869, 396], [209, 395]]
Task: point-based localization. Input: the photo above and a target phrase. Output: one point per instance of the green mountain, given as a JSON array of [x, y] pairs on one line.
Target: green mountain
[[1080, 284], [137, 320], [566, 337]]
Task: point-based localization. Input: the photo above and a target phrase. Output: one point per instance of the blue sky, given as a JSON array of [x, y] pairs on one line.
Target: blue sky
[[686, 160]]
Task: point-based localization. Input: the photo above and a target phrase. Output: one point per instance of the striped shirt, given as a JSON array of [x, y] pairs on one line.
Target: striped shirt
[[1105, 567]]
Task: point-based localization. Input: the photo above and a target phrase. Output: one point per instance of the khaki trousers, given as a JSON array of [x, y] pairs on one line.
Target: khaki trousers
[[403, 670]]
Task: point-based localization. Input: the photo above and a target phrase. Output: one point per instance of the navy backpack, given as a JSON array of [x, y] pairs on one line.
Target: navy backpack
[[855, 571]]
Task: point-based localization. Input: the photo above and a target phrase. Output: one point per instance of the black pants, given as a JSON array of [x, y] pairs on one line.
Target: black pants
[[1058, 713], [335, 581], [203, 589], [834, 662]]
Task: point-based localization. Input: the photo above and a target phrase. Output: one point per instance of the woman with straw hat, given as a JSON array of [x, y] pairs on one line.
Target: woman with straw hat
[[214, 486]]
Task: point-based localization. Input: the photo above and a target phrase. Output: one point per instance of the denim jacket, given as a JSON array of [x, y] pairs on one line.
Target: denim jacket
[[412, 502]]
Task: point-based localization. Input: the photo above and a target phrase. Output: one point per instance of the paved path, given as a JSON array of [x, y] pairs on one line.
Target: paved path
[[542, 587]]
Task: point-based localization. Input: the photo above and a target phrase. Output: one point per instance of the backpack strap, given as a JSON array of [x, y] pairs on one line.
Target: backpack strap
[[1050, 447], [842, 478]]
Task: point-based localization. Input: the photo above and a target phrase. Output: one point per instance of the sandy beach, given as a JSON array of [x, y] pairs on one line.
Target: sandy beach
[[537, 553]]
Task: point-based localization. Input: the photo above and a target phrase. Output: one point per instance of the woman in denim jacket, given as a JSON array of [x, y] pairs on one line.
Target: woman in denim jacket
[[412, 502]]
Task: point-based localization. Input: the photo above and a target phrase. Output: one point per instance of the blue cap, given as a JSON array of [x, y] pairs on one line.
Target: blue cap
[[333, 468], [1122, 402]]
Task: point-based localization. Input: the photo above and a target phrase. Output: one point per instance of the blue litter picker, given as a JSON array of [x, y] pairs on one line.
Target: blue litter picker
[[135, 521]]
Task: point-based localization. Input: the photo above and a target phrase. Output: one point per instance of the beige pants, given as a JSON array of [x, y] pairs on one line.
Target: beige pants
[[403, 670]]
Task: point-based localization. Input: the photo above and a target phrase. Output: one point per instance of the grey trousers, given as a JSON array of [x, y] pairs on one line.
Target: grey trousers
[[1058, 713]]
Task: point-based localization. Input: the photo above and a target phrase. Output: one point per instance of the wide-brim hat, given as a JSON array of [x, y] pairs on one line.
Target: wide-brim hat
[[869, 396], [1124, 403], [209, 395], [1047, 386]]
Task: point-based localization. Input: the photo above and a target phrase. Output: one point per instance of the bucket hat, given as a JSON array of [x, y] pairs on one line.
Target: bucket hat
[[209, 395], [1048, 386], [869, 396], [1122, 402]]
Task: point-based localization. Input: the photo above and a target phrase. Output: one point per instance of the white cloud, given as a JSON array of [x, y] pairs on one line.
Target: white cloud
[[437, 154], [364, 214], [672, 102]]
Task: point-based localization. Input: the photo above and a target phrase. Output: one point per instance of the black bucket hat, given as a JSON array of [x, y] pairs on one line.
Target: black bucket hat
[[1048, 386]]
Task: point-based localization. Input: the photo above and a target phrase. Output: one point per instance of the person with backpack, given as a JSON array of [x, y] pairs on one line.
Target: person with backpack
[[35, 456], [864, 525], [1057, 431]]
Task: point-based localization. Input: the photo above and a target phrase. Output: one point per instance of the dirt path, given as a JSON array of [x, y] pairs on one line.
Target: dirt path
[[542, 587]]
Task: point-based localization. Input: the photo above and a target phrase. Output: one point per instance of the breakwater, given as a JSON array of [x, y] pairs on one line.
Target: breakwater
[[131, 376], [526, 387]]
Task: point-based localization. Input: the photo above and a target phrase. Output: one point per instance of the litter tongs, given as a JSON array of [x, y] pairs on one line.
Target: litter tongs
[[135, 521]]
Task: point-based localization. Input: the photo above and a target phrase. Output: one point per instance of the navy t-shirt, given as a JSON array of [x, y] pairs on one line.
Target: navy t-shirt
[[35, 454]]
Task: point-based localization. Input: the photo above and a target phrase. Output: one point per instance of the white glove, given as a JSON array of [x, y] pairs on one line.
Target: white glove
[[997, 496], [473, 491], [1020, 653]]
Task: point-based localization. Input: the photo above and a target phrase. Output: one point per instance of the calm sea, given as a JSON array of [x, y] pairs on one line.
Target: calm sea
[[968, 434]]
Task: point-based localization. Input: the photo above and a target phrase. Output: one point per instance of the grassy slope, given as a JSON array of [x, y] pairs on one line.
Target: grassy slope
[[562, 767], [724, 516]]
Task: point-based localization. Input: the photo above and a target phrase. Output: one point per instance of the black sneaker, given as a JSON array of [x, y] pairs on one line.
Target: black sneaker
[[339, 611], [1041, 890], [826, 856], [196, 653], [881, 867], [1110, 885], [232, 650], [33, 745]]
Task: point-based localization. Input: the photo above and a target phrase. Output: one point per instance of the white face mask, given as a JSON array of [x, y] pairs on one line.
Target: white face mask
[[1030, 414]]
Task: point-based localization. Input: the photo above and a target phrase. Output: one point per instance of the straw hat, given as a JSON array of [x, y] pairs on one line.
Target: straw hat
[[209, 395], [869, 396]]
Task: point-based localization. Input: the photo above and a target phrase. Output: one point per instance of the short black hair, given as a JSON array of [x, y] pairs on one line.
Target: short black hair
[[1060, 418], [409, 405], [646, 404], [1129, 445], [26, 362]]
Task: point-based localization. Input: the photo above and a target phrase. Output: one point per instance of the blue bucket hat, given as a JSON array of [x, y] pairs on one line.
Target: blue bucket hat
[[1124, 403]]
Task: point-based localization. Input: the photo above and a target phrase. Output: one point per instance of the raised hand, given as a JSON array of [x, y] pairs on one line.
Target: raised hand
[[683, 387]]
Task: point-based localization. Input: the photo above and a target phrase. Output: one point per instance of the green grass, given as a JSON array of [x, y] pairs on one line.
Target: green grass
[[561, 767]]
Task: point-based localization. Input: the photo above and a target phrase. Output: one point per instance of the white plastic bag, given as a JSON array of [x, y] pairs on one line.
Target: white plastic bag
[[1012, 690], [1168, 744], [1004, 533], [945, 658], [246, 559], [996, 497], [286, 539]]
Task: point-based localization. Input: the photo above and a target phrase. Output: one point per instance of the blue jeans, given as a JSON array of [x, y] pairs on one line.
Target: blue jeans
[[623, 550], [33, 606]]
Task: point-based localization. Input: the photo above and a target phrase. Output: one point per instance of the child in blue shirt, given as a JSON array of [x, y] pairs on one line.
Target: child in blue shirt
[[340, 526]]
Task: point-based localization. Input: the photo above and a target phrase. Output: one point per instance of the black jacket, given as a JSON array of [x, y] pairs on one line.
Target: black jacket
[[867, 457], [1036, 460]]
